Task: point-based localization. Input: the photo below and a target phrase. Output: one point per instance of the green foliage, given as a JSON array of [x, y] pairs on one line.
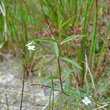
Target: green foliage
[[55, 47], [26, 22], [70, 61], [68, 72], [47, 79], [72, 37]]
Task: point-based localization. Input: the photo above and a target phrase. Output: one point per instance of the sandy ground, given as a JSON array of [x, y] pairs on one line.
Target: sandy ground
[[11, 73]]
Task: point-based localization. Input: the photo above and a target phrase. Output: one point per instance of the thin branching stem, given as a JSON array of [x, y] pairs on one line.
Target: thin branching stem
[[22, 92]]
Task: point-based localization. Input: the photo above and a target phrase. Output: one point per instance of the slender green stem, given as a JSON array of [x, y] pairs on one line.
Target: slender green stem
[[7, 102], [75, 7], [94, 36], [83, 41], [22, 92], [53, 93], [60, 73]]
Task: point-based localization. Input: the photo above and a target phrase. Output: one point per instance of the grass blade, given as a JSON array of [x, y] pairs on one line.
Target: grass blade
[[55, 46], [49, 78], [71, 37], [70, 61], [68, 72]]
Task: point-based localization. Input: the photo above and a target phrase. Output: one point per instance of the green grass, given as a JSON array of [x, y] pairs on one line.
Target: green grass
[[66, 22]]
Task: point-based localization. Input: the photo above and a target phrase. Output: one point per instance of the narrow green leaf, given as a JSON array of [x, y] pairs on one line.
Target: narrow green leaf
[[67, 22], [70, 61], [59, 19], [82, 91], [68, 72], [71, 37], [69, 91], [77, 51], [46, 39], [47, 79], [57, 88], [66, 84], [55, 46], [62, 100]]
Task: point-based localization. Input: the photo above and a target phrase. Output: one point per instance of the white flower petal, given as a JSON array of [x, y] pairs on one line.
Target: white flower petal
[[86, 100], [30, 43], [89, 101], [83, 101], [86, 103], [31, 47]]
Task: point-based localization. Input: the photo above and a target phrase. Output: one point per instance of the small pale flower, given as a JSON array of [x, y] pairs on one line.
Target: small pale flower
[[86, 100], [31, 47], [30, 43]]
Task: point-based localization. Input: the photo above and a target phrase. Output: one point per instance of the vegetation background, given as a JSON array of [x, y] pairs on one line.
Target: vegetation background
[[62, 30]]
